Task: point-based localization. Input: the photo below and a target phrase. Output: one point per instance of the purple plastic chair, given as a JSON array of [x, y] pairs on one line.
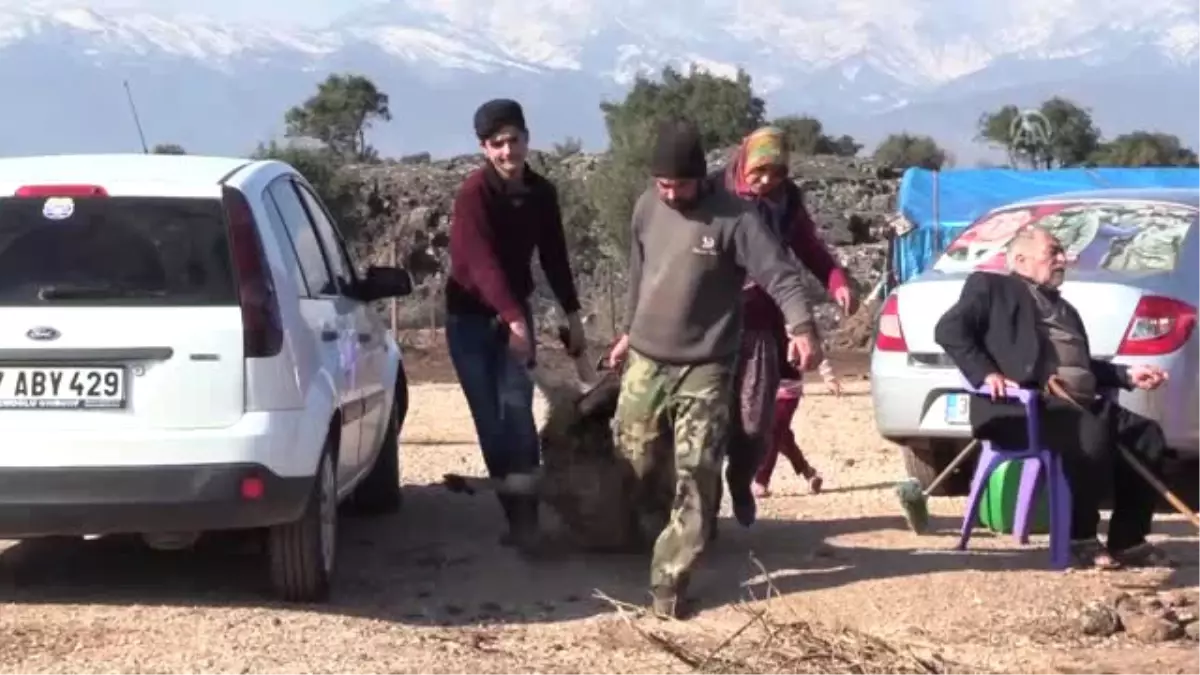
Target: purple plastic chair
[[1038, 462]]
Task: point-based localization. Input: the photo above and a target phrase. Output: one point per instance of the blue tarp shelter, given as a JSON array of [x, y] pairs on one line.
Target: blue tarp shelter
[[939, 205]]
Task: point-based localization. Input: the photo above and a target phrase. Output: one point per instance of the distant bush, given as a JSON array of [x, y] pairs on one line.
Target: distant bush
[[416, 158], [321, 166], [903, 151], [168, 149]]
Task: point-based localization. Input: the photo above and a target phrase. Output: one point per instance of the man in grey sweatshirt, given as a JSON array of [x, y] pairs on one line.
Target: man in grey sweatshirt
[[691, 250]]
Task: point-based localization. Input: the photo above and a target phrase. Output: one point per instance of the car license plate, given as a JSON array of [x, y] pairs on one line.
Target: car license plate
[[62, 388], [957, 410]]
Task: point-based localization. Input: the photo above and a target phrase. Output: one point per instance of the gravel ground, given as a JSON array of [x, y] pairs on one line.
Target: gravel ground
[[430, 590]]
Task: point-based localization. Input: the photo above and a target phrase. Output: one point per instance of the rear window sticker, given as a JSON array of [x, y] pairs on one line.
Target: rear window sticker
[[58, 208]]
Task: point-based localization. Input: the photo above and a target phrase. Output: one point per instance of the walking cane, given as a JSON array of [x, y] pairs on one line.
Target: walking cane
[[1055, 387]]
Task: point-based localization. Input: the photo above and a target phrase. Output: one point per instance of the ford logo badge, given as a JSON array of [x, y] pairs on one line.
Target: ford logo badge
[[42, 333]]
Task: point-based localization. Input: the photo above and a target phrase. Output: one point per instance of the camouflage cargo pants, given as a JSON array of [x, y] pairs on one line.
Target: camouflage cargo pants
[[675, 415]]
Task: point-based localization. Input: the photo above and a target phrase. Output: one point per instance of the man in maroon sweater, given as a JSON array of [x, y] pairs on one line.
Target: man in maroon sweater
[[503, 211]]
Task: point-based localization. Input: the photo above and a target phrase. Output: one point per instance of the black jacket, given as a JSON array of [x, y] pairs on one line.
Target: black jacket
[[993, 329]]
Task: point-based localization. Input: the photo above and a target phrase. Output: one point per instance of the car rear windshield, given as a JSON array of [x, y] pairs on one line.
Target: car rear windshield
[[1120, 236], [108, 251]]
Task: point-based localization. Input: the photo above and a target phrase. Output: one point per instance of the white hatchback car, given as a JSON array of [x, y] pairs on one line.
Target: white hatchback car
[[185, 345]]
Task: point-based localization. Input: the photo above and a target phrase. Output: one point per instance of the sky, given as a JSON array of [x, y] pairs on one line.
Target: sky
[[308, 13]]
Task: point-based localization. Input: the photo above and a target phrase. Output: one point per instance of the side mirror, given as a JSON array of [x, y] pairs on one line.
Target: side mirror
[[384, 282]]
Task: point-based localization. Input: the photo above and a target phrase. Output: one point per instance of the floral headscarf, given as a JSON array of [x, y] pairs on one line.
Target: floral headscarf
[[765, 146]]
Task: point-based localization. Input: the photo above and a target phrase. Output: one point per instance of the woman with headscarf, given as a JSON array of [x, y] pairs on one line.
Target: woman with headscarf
[[759, 175]]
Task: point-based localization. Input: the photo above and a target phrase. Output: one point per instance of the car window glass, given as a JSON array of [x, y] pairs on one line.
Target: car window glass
[[329, 233], [304, 237], [290, 256], [114, 251]]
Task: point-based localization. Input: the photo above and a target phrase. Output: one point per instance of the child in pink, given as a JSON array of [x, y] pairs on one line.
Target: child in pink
[[787, 400]]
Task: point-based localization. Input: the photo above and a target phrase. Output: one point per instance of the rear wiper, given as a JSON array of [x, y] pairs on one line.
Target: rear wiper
[[71, 292]]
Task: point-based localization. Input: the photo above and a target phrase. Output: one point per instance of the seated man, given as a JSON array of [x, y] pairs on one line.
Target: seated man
[[1016, 330]]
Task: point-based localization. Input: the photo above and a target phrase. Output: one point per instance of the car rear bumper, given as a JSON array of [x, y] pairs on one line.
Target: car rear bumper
[[910, 401], [46, 501], [279, 440]]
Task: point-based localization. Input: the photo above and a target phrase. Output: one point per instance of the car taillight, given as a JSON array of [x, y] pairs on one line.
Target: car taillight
[[60, 191], [889, 337], [262, 327], [1159, 326]]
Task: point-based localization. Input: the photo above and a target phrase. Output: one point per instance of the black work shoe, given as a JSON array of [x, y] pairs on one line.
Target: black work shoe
[[745, 511]]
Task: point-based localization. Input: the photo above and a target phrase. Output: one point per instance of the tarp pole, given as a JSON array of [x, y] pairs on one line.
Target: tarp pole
[[889, 267], [937, 219]]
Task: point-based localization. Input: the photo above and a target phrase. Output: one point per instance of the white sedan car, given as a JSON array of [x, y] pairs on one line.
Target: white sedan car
[[1134, 277]]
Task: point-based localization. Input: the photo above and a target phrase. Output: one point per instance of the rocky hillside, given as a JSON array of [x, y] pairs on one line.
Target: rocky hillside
[[406, 206]]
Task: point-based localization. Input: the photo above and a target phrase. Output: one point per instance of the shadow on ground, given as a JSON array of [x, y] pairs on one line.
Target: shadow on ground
[[438, 563], [429, 363]]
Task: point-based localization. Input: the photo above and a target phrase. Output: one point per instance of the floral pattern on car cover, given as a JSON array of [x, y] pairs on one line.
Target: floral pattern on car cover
[[1116, 236]]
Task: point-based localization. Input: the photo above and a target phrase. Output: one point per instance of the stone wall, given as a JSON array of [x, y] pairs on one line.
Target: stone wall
[[406, 207]]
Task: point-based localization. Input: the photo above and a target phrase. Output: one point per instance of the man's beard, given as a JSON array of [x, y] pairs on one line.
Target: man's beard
[[681, 204]]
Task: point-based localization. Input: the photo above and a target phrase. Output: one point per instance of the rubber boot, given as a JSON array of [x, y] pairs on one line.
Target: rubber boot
[[508, 506], [526, 529]]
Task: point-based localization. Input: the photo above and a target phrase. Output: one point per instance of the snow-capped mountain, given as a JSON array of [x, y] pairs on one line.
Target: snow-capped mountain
[[865, 67]]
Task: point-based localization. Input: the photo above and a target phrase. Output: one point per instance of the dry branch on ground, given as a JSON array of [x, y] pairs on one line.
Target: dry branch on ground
[[776, 638]]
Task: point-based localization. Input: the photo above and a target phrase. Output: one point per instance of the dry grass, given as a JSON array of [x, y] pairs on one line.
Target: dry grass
[[775, 638]]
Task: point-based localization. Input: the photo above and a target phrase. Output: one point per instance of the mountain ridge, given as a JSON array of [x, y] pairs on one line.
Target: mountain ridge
[[856, 64]]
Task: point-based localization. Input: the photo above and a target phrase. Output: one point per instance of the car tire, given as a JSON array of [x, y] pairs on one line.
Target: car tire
[[302, 555], [925, 462], [380, 492]]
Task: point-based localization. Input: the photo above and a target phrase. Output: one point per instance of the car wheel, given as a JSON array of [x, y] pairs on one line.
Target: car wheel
[[925, 462], [380, 492], [302, 555]]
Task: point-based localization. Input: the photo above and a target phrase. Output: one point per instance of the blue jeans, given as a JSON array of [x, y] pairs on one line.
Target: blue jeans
[[499, 393]]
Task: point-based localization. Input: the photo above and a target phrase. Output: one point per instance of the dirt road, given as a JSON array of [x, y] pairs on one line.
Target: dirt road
[[430, 590]]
